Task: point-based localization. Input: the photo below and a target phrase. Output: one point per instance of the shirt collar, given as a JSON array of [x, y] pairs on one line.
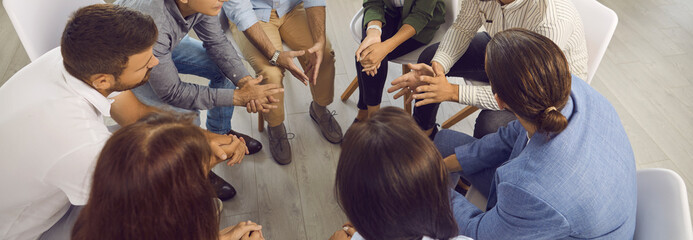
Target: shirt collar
[[101, 103], [175, 12]]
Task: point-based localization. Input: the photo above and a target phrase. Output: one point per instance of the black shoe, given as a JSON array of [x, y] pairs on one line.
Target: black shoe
[[462, 186], [223, 189], [253, 145], [434, 132]]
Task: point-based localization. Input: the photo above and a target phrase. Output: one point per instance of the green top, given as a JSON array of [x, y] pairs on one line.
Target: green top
[[424, 15]]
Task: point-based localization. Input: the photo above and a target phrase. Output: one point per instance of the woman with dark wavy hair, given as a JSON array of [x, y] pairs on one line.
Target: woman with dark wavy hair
[[150, 182], [564, 170], [391, 181]]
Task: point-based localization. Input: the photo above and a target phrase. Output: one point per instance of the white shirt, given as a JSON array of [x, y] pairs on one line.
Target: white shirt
[[51, 132], [556, 19]]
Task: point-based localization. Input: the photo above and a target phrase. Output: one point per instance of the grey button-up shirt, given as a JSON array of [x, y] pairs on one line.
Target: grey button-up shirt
[[173, 27]]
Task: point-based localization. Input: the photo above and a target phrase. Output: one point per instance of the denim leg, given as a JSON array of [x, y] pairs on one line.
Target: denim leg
[[446, 141], [190, 57]]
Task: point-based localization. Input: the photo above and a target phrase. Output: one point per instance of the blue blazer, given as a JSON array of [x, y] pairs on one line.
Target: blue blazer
[[579, 183]]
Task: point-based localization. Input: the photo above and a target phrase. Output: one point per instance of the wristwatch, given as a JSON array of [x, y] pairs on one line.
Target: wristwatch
[[273, 61]]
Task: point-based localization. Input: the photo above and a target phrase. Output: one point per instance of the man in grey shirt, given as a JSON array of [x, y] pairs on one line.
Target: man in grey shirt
[[213, 58]]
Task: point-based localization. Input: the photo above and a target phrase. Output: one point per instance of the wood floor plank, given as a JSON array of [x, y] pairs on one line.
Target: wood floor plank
[[280, 209], [315, 166]]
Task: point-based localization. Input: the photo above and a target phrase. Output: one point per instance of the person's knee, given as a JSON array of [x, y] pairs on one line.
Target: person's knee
[[271, 75], [489, 122], [427, 54], [443, 142]]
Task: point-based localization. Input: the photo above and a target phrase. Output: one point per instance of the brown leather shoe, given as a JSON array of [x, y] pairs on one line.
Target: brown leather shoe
[[328, 125], [223, 189], [253, 145], [279, 144]]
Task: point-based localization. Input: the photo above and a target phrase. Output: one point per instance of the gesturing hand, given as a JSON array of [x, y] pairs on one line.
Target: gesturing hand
[[226, 147], [313, 61], [411, 80], [256, 97], [242, 230], [372, 56], [437, 88], [286, 61], [345, 233], [369, 40], [237, 150]]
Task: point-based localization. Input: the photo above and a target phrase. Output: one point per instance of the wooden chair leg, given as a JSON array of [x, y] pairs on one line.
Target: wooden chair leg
[[260, 122], [459, 116], [407, 104], [350, 89]]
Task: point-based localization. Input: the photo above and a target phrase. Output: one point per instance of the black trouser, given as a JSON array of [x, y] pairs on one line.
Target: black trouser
[[469, 66], [371, 87]]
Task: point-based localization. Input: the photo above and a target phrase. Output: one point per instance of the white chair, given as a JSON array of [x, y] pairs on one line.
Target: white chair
[[40, 23], [599, 23], [452, 8], [663, 211]]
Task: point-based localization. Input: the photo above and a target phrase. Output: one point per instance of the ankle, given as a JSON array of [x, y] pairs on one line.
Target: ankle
[[317, 106], [362, 115]]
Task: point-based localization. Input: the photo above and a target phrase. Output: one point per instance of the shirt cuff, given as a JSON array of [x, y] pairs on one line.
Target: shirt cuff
[[224, 97], [466, 95], [313, 3], [445, 60], [243, 16]]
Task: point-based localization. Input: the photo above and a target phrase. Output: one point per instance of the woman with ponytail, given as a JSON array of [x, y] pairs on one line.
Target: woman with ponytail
[[564, 170]]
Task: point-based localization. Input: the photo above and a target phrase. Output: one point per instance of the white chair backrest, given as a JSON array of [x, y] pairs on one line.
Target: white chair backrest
[[599, 23], [452, 8], [40, 23], [663, 211]]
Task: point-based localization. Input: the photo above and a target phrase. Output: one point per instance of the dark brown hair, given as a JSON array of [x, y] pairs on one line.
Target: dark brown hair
[[391, 181], [531, 75], [99, 38], [150, 183]]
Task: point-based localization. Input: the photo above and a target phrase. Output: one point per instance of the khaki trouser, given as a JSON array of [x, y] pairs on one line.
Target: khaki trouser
[[293, 30]]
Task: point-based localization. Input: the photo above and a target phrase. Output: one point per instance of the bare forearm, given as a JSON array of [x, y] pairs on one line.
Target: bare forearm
[[402, 35], [126, 109], [452, 164], [316, 22], [260, 40]]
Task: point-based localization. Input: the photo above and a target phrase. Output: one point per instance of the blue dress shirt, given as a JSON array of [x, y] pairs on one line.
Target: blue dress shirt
[[245, 13]]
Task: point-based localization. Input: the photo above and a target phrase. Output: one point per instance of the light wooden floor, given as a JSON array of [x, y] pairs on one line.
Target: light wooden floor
[[646, 74]]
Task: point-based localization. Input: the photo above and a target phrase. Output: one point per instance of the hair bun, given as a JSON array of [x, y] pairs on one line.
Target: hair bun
[[552, 120]]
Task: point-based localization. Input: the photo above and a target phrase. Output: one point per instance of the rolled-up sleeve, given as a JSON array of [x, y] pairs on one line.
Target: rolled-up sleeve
[[421, 14], [313, 3], [241, 13], [219, 48], [167, 85]]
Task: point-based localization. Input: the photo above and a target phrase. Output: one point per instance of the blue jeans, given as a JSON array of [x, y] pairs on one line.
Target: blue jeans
[[446, 141], [190, 57]]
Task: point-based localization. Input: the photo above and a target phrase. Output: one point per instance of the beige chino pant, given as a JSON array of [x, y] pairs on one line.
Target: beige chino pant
[[293, 30]]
